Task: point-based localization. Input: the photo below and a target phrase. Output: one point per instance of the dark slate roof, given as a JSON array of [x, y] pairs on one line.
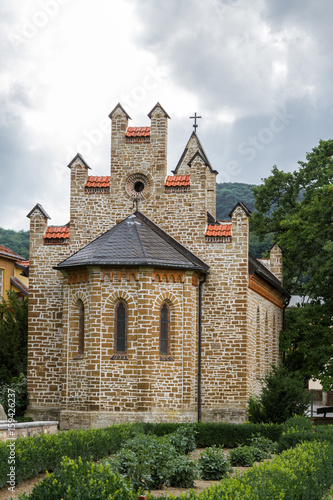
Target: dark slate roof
[[135, 241], [256, 267], [39, 207]]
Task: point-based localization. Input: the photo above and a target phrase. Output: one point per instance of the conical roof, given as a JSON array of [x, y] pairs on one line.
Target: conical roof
[[136, 241]]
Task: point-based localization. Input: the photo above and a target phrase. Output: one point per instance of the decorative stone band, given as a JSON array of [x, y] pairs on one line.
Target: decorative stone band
[[264, 292], [168, 274], [218, 239], [72, 279], [126, 273]]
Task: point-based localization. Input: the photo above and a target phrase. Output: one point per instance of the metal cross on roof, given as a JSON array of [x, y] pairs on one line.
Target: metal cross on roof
[[195, 117]]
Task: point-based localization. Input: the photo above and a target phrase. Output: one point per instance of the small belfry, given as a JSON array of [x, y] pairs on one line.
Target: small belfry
[[144, 307]]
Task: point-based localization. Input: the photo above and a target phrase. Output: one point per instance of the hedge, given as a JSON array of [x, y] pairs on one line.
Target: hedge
[[230, 435], [33, 455], [301, 473], [37, 454]]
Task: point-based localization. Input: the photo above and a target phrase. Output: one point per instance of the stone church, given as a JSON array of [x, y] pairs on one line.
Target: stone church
[[144, 307]]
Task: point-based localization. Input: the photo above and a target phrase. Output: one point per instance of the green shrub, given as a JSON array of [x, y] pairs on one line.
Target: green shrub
[[213, 464], [183, 439], [37, 454], [246, 456], [298, 423], [77, 480], [293, 437], [146, 460], [17, 388], [302, 473], [264, 444], [283, 395], [232, 435], [184, 473]]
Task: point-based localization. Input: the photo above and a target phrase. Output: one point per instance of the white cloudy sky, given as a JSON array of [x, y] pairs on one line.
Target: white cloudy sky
[[259, 73]]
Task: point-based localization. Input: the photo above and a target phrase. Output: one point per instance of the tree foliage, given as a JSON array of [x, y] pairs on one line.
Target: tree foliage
[[283, 395], [18, 241], [13, 337], [296, 209], [227, 196]]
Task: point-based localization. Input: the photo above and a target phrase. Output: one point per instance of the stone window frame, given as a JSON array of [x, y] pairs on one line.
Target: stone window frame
[[121, 353]]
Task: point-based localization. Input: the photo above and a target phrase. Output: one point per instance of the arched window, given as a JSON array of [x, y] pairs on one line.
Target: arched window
[[120, 321], [165, 329], [81, 327]]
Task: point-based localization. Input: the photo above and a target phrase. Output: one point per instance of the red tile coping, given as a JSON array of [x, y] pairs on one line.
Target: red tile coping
[[56, 232], [138, 132], [177, 180], [98, 182], [9, 253], [218, 230]]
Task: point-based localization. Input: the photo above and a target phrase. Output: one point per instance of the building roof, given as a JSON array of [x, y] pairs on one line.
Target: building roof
[[19, 285], [200, 151], [135, 241], [9, 253], [54, 232], [138, 132], [39, 207], [256, 267], [81, 159], [177, 180], [218, 230], [98, 182]]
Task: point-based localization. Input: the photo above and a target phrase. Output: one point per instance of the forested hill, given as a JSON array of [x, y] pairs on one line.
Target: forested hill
[[227, 195], [18, 241]]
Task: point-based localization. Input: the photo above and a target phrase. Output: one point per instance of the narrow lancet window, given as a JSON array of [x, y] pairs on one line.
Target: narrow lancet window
[[165, 330], [120, 328]]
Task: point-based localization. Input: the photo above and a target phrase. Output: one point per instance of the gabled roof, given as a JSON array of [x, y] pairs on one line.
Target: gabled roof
[[135, 241], [243, 207], [78, 157], [122, 109], [200, 150], [39, 207], [157, 105]]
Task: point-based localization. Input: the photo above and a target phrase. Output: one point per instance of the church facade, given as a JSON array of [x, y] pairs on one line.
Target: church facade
[[144, 307]]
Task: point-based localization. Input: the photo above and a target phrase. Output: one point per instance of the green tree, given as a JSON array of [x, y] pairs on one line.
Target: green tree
[[296, 209], [13, 337], [283, 395], [18, 241]]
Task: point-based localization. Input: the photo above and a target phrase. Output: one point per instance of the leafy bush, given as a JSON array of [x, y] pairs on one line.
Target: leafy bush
[[283, 395], [213, 464], [146, 461], [246, 456], [37, 454], [78, 480], [184, 472], [293, 436], [302, 473], [183, 439], [17, 389], [264, 444], [298, 423]]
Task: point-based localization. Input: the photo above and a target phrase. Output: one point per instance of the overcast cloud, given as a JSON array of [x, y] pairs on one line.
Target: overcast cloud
[[259, 73]]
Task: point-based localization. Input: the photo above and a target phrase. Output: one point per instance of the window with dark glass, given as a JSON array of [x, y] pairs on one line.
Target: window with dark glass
[[81, 328], [165, 330], [120, 327]]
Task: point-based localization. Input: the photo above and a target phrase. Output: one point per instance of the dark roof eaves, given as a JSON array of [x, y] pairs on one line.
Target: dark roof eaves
[[41, 209], [158, 105], [119, 106], [18, 284], [267, 275], [78, 156]]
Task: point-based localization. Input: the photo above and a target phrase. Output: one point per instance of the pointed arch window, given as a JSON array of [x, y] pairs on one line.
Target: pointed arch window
[[120, 327], [165, 330]]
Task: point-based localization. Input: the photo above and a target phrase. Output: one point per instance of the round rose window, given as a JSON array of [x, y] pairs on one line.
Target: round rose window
[[137, 186]]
